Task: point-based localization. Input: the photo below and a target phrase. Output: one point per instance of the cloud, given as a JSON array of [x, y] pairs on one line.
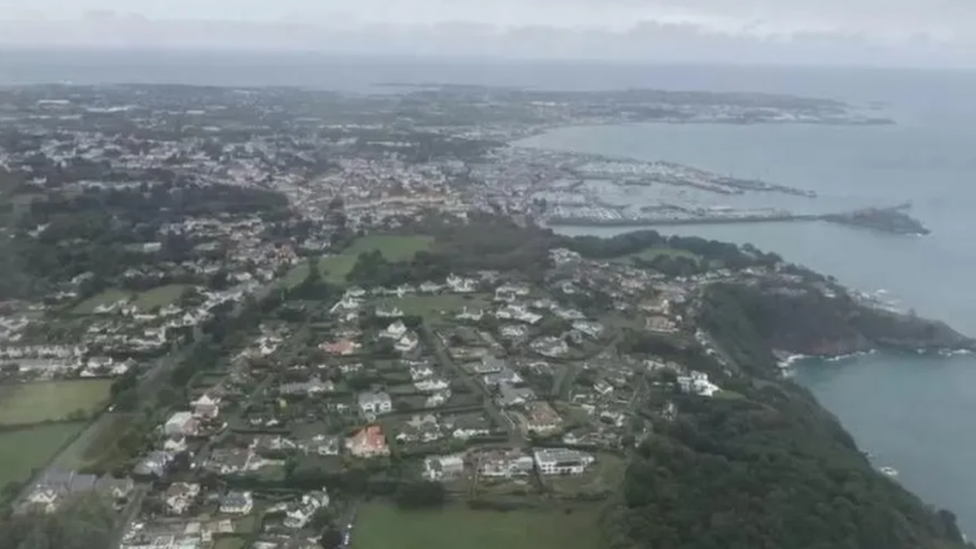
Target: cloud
[[890, 32]]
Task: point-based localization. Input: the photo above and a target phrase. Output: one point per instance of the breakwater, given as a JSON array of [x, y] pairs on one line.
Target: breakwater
[[891, 219]]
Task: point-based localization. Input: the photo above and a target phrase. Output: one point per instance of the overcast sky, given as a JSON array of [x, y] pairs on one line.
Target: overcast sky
[[891, 32]]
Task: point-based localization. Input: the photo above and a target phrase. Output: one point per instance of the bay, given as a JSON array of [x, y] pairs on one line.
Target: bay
[[912, 413]]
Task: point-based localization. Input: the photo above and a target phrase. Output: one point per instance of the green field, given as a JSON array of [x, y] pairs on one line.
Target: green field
[[22, 450], [96, 442], [230, 542], [335, 268], [159, 297], [382, 526], [422, 305], [107, 297], [28, 403]]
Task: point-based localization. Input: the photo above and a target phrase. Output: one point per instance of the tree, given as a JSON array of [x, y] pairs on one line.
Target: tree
[[421, 494], [332, 538], [321, 518]]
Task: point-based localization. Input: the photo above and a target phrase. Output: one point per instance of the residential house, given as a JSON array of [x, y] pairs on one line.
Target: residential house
[[519, 313], [348, 303], [438, 399], [56, 485], [421, 428], [510, 395], [431, 385], [590, 329], [324, 445], [237, 503], [506, 375], [355, 292], [118, 488], [395, 331], [513, 331], [430, 288], [461, 285], [541, 418], [408, 343], [697, 383], [441, 468], [368, 442], [343, 347], [551, 347], [181, 496], [472, 315], [206, 407], [181, 423], [388, 311], [504, 464], [230, 461], [422, 371], [154, 464], [489, 364], [562, 461], [299, 514], [374, 404], [314, 386]]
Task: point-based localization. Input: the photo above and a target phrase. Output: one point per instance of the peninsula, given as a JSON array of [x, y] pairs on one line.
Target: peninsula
[[295, 319]]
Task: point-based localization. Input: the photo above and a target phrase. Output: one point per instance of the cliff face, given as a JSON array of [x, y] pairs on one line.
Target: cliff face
[[769, 467], [803, 320]]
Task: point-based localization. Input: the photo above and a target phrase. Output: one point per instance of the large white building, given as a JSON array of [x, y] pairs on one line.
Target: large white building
[[181, 423], [698, 383], [562, 461]]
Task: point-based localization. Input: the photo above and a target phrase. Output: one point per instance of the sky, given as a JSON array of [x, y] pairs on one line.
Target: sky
[[886, 32]]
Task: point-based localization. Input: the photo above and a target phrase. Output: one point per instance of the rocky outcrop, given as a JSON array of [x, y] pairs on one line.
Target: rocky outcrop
[[804, 320]]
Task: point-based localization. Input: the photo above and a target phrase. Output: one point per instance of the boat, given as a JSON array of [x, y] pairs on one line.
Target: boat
[[889, 471]]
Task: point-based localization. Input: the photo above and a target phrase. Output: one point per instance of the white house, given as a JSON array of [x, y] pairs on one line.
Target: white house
[[388, 311], [473, 315], [461, 285], [237, 503], [395, 331], [299, 514], [181, 423], [437, 468], [407, 343], [206, 407], [697, 383], [375, 403], [562, 461]]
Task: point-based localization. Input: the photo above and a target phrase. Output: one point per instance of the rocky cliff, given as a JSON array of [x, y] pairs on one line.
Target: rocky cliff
[[803, 319]]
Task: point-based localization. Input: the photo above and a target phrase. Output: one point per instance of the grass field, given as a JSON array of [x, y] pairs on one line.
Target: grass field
[[436, 305], [335, 268], [95, 443], [230, 542], [22, 450], [381, 526], [107, 297], [50, 401], [159, 297]]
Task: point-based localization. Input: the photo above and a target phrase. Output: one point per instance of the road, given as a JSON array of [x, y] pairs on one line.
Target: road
[[498, 416]]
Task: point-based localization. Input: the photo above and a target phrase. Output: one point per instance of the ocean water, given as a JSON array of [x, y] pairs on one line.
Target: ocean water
[[913, 413]]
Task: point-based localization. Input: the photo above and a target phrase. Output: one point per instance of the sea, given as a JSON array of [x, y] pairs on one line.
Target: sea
[[914, 413]]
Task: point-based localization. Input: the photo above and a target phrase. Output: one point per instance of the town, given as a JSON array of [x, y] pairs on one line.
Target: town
[[292, 319]]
